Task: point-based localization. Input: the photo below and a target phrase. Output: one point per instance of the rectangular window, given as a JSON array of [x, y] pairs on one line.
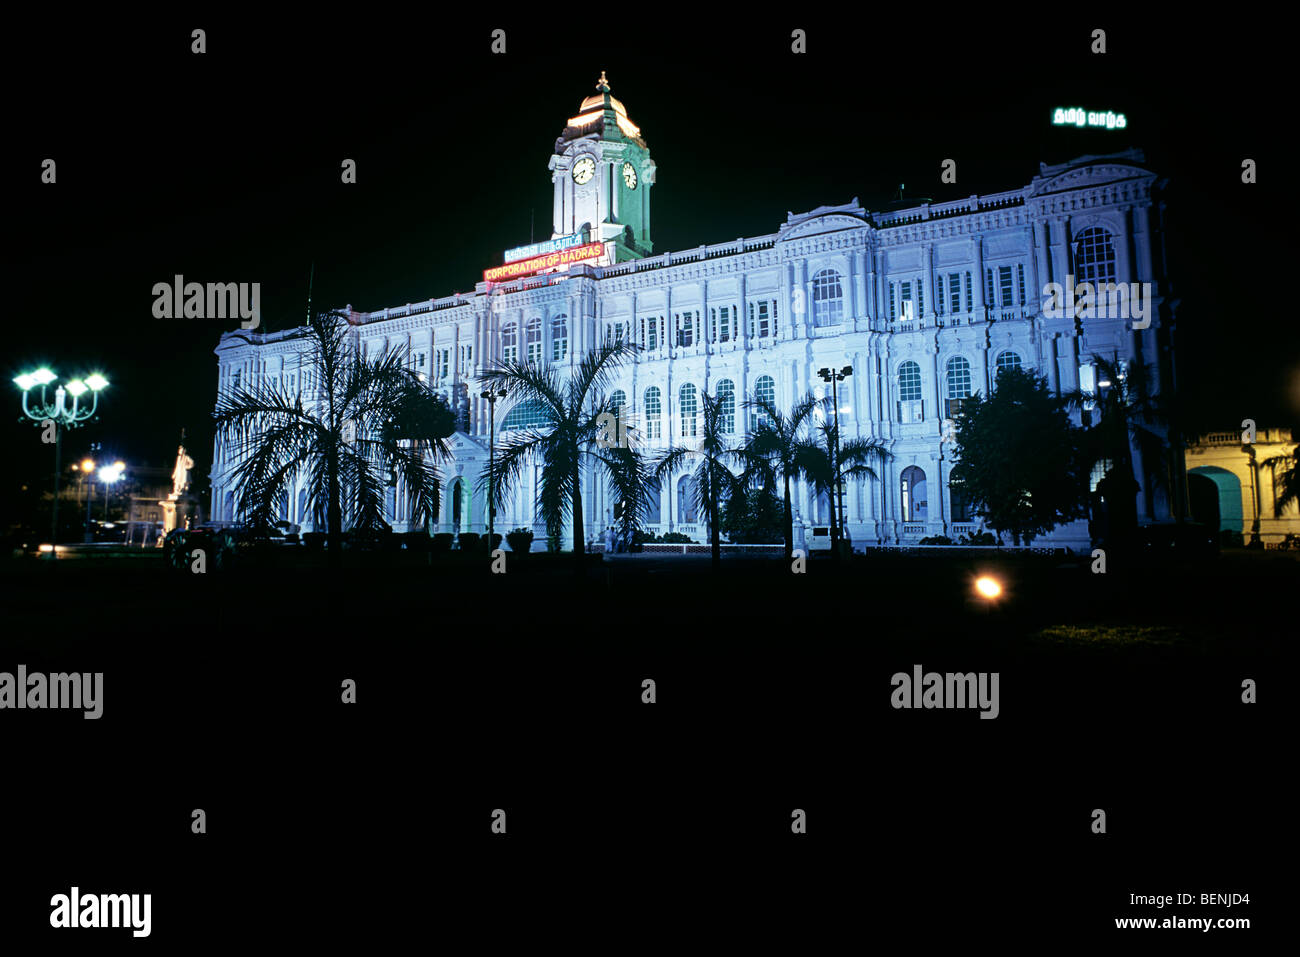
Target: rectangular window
[[466, 359], [988, 287], [652, 339], [954, 292], [920, 298], [444, 363], [722, 319], [685, 330], [1020, 271], [1004, 283], [970, 298], [893, 306], [906, 305], [938, 300]]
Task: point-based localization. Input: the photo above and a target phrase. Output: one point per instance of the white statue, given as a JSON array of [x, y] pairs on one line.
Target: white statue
[[181, 473]]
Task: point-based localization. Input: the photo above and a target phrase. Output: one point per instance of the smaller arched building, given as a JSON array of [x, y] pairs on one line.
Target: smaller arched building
[[1233, 485]]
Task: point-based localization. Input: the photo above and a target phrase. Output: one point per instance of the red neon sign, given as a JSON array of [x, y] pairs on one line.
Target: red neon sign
[[565, 257]]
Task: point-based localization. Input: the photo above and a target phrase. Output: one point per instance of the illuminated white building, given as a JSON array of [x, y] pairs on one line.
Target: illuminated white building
[[925, 303]]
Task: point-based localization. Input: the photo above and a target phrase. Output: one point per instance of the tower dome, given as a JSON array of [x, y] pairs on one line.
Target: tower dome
[[603, 116]]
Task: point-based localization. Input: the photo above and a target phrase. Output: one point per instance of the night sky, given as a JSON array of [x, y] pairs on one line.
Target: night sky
[[225, 168]]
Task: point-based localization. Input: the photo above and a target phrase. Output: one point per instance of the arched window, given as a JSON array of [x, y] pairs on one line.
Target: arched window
[[510, 343], [1094, 257], [727, 410], [1099, 470], [1006, 360], [828, 299], [533, 340], [526, 415], [913, 491], [958, 383], [688, 407], [617, 400], [764, 388], [559, 338], [653, 413], [686, 512], [911, 408]]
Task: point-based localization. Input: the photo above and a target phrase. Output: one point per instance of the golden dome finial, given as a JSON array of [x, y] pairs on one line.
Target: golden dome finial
[[602, 84]]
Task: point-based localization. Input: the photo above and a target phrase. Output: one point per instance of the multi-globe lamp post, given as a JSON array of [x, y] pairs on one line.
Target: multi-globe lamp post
[[60, 414]]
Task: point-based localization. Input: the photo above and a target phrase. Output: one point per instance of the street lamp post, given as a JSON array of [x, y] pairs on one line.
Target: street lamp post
[[837, 527], [62, 416], [107, 476], [492, 397], [88, 470]]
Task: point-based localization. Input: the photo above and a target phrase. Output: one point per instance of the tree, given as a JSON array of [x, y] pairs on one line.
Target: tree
[[829, 470], [775, 441], [1288, 487], [365, 424], [1018, 457], [576, 414], [753, 513], [714, 480], [1128, 414]]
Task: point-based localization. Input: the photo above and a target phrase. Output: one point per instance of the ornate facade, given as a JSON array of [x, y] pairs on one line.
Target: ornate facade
[[925, 303]]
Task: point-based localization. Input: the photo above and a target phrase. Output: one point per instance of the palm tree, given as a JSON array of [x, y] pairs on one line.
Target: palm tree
[[573, 431], [1288, 489], [829, 472], [775, 442], [713, 480], [369, 423]]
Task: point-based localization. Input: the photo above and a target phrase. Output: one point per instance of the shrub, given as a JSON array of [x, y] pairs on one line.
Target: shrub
[[470, 541], [979, 538], [675, 538], [520, 540], [442, 542], [935, 540], [496, 541]]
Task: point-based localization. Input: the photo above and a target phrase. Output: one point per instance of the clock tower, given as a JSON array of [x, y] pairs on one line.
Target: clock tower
[[602, 173]]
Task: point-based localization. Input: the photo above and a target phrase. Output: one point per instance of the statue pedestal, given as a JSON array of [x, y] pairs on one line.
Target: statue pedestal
[[177, 512]]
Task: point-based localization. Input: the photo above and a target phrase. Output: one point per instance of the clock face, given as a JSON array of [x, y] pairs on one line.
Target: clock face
[[584, 170], [629, 175]]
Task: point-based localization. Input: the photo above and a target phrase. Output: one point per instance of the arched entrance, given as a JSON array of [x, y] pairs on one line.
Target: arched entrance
[[458, 506], [1215, 497], [914, 495]]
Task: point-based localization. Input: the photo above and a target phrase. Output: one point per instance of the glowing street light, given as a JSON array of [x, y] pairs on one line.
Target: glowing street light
[[61, 414], [988, 587]]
